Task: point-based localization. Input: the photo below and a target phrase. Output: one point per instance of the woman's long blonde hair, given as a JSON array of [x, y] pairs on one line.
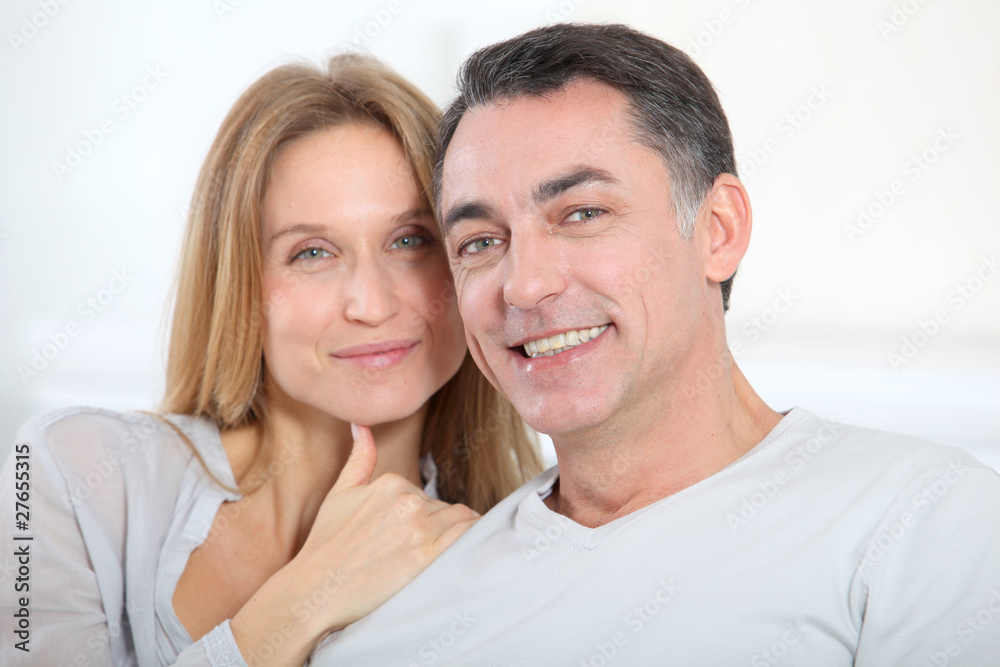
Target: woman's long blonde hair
[[216, 364]]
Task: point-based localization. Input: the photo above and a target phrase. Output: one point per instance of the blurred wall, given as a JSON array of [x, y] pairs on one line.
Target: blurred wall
[[866, 132]]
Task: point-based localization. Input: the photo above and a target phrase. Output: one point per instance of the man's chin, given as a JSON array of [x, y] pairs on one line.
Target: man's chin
[[561, 419]]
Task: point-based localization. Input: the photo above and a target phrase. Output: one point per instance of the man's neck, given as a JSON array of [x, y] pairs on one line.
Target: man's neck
[[630, 466]]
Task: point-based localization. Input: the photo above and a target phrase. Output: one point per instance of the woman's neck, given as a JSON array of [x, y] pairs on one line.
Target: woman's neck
[[292, 459]]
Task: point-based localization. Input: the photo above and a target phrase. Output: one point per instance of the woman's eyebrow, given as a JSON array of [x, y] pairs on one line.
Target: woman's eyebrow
[[410, 215], [307, 228]]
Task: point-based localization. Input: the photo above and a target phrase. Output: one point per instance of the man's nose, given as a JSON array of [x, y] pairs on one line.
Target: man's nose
[[534, 272]]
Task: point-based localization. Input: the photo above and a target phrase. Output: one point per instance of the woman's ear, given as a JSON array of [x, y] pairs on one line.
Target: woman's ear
[[725, 226]]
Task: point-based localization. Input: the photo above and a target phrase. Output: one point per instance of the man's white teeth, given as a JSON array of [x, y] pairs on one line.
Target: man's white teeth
[[553, 345]]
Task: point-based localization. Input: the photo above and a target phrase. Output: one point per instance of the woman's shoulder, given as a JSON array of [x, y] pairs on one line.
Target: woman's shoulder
[[88, 438]]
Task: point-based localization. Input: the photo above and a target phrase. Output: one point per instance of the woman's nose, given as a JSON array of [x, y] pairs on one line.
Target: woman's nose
[[370, 297]]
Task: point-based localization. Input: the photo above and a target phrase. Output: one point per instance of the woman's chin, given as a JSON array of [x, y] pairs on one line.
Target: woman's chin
[[366, 405], [374, 414]]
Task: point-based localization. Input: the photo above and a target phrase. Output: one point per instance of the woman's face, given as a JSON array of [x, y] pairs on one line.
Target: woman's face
[[360, 314]]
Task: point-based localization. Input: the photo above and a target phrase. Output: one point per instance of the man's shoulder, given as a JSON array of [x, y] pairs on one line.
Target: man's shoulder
[[866, 451]]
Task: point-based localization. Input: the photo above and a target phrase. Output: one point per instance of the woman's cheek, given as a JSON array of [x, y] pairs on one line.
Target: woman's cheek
[[427, 290]]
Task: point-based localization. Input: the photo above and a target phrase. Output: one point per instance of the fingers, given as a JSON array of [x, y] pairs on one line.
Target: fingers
[[449, 523], [452, 511], [451, 534], [361, 463]]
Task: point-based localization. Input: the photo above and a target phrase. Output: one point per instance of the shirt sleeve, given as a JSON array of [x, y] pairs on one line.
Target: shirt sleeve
[[64, 585], [932, 573], [216, 649], [56, 589]]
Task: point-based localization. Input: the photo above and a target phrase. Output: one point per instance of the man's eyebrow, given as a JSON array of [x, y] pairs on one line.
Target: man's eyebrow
[[552, 188], [546, 191], [472, 210]]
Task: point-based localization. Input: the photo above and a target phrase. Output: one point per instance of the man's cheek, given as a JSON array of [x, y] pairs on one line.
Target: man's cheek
[[483, 360], [473, 302]]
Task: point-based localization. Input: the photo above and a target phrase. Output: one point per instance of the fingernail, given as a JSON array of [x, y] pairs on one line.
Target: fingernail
[[354, 430]]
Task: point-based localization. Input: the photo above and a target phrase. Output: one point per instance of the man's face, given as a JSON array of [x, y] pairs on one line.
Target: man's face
[[558, 223]]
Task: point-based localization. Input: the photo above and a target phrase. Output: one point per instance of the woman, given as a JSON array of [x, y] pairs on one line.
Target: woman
[[314, 295]]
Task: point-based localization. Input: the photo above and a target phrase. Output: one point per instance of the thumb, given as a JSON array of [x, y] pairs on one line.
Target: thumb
[[361, 463]]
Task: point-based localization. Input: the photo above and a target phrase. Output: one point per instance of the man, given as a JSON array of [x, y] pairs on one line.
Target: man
[[588, 194]]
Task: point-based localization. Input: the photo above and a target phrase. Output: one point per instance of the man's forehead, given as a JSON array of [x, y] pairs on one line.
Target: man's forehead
[[534, 135], [579, 100]]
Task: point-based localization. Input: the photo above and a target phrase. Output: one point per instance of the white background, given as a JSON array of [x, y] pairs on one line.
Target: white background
[[895, 73]]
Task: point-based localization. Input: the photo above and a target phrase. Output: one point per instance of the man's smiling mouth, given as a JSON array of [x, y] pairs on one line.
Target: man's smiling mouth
[[559, 343]]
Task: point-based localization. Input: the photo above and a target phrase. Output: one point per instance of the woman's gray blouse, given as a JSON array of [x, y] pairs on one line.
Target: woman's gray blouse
[[118, 502]]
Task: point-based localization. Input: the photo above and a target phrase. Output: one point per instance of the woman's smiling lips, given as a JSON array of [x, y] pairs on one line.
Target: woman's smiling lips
[[376, 355]]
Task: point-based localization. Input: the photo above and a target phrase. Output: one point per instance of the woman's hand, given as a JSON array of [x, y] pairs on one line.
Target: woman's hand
[[372, 538], [369, 539]]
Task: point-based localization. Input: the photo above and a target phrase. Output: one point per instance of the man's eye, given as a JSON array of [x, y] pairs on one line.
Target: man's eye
[[584, 214], [312, 253], [408, 241], [480, 245]]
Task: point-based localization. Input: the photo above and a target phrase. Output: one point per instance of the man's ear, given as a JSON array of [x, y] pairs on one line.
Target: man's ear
[[725, 227]]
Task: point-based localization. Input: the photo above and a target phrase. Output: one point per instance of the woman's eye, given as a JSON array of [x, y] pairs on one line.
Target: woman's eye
[[480, 245], [312, 253], [584, 214], [408, 241]]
